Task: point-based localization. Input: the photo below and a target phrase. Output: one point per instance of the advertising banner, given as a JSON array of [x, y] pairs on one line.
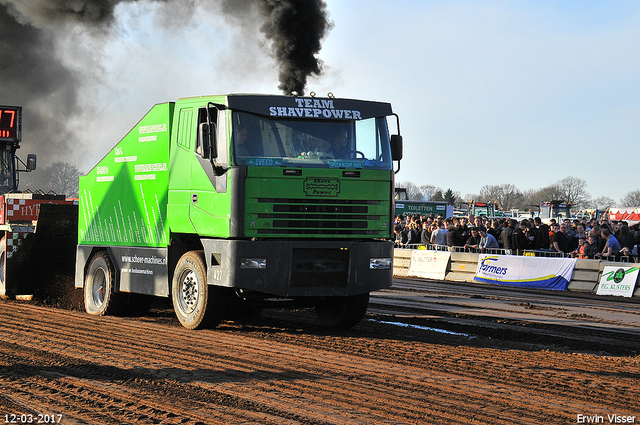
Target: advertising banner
[[429, 264], [525, 272], [620, 281]]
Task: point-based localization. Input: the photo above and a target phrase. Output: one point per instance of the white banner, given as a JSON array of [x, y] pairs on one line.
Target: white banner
[[620, 281], [526, 272], [429, 264]]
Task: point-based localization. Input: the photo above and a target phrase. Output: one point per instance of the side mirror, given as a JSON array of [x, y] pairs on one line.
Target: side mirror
[[396, 147], [31, 162], [208, 138]]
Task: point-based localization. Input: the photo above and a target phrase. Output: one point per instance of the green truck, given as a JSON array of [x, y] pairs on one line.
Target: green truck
[[224, 202]]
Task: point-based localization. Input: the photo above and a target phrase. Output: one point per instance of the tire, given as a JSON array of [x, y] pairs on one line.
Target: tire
[[196, 304], [342, 312], [99, 286]]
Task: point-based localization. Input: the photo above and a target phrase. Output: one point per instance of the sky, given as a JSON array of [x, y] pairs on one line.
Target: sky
[[488, 92]]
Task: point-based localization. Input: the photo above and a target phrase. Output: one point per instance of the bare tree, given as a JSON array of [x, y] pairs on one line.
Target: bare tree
[[574, 191], [551, 193], [427, 191], [631, 199], [601, 203], [63, 178], [411, 188], [424, 192], [506, 195]]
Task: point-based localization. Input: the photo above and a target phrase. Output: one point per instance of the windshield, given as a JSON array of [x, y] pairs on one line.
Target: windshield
[[561, 212], [265, 141], [482, 211]]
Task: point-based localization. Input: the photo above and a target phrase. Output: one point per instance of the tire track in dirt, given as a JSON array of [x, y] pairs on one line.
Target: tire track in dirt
[[105, 370]]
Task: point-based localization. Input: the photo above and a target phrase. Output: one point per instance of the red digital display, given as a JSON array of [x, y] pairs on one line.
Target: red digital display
[[10, 122]]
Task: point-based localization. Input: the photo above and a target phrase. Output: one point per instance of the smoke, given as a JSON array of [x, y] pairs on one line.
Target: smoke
[[33, 75], [44, 12], [52, 55], [296, 29]]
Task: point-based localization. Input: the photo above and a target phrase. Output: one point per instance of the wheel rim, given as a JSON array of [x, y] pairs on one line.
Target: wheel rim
[[189, 292], [98, 287]]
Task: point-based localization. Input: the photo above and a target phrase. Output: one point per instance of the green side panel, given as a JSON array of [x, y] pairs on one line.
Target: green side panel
[[317, 203], [123, 199]]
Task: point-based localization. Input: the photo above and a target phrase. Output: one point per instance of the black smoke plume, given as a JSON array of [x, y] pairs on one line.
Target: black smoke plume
[[296, 29], [33, 75]]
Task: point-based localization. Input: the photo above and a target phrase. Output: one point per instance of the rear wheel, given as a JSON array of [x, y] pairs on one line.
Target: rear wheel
[[197, 305], [343, 312], [99, 288]]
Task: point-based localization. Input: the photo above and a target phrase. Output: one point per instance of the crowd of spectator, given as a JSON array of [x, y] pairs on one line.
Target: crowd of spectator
[[569, 238]]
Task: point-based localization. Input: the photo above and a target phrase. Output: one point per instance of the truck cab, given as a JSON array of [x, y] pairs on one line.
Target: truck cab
[[485, 209], [244, 197], [556, 209]]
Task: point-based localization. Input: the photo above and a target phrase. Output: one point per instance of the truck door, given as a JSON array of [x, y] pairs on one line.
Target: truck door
[[209, 210]]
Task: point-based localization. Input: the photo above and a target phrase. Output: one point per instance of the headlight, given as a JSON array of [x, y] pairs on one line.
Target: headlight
[[253, 263], [380, 263]]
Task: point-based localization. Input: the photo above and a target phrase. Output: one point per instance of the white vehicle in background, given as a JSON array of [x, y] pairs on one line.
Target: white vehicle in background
[[559, 210]]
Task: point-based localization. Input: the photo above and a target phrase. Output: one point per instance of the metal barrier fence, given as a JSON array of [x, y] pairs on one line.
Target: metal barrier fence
[[525, 252]]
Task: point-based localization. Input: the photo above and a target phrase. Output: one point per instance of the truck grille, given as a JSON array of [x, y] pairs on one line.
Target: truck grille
[[318, 217]]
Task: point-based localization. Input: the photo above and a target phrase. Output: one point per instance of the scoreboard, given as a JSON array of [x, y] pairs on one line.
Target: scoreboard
[[11, 123]]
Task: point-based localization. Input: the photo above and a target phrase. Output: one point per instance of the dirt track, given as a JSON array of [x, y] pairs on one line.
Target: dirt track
[[149, 370]]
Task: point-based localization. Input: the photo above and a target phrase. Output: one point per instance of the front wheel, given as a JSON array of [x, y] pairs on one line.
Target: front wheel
[[197, 305], [343, 312]]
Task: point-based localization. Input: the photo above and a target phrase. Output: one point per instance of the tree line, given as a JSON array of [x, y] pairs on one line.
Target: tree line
[[60, 178], [508, 197]]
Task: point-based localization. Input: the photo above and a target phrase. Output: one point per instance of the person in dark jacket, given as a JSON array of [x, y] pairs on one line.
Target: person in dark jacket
[[542, 236], [400, 236], [454, 238], [473, 240], [425, 235], [505, 237], [560, 241], [625, 238], [591, 247]]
